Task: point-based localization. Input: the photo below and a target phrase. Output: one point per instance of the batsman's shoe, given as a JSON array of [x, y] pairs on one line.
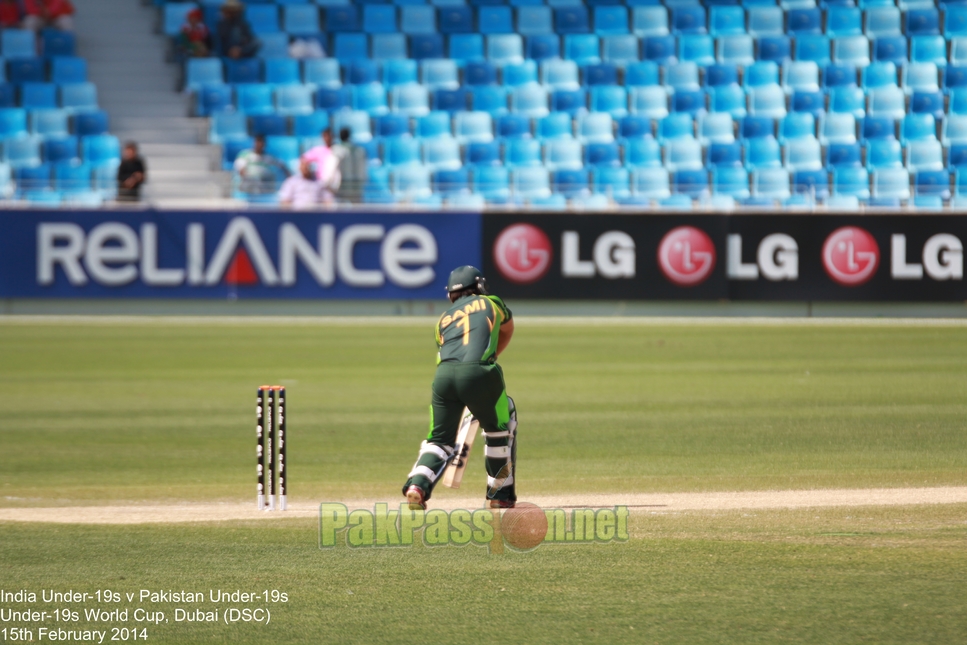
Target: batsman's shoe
[[500, 503], [415, 498]]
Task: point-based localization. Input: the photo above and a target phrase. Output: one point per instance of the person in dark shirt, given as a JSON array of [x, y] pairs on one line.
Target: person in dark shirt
[[470, 335], [235, 36], [131, 174]]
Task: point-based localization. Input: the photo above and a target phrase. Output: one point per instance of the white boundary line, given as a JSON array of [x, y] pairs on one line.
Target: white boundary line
[[529, 321]]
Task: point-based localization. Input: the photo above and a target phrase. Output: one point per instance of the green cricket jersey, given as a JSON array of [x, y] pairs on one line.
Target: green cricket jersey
[[467, 332]]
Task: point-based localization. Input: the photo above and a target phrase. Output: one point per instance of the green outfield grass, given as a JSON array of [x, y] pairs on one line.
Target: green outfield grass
[[96, 413], [862, 575], [122, 413]]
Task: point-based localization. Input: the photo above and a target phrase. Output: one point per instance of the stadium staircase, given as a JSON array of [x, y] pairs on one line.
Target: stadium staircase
[[137, 88]]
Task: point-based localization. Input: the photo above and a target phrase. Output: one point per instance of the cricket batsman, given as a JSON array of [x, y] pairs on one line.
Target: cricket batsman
[[471, 334]]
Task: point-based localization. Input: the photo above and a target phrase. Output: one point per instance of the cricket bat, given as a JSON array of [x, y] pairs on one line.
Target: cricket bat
[[453, 475]]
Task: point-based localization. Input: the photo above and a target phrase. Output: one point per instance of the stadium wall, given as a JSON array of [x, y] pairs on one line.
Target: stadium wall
[[357, 262]]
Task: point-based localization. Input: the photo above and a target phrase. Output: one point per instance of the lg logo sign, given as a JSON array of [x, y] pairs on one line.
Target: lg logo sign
[[686, 256], [850, 256], [523, 254]]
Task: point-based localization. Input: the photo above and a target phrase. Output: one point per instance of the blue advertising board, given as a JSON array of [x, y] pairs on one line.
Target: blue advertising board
[[173, 254]]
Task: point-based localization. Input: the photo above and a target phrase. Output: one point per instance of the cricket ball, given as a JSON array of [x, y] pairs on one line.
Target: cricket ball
[[524, 526]]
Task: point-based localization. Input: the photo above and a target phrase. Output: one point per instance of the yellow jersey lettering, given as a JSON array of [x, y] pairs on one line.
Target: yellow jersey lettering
[[445, 322]]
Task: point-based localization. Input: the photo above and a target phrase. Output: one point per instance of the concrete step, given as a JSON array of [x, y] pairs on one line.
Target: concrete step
[[195, 164], [208, 190]]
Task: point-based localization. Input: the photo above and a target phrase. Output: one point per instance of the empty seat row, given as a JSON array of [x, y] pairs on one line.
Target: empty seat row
[[22, 43], [31, 151], [69, 96]]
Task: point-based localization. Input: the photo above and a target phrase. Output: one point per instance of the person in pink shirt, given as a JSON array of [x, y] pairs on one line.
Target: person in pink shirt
[[325, 161], [304, 190]]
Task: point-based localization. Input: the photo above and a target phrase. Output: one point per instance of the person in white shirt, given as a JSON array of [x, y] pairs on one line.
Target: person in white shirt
[[304, 190]]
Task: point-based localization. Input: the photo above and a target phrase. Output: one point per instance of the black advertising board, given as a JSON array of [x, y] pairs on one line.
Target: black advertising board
[[812, 257]]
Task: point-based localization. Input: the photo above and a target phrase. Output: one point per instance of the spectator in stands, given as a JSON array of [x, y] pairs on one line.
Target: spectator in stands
[[194, 40], [131, 174], [302, 48], [304, 190], [10, 15], [56, 14], [258, 173], [235, 36], [326, 162], [353, 168]]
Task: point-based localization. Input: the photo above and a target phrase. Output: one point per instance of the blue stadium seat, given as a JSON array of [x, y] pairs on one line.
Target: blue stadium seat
[[498, 19], [49, 122], [563, 154], [274, 45], [801, 76], [922, 22], [757, 127], [717, 127], [379, 19], [34, 96], [572, 20], [321, 72], [736, 50], [601, 74], [426, 46], [688, 101], [774, 48], [455, 19], [814, 183], [451, 182], [391, 126], [300, 20], [648, 21], [332, 98], [726, 21], [813, 103], [282, 71], [411, 100], [442, 153], [696, 48], [934, 183], [922, 77], [851, 50], [596, 127], [90, 122], [676, 126], [878, 128], [449, 100], [765, 21], [362, 72], [26, 70], [570, 184], [661, 49], [492, 182], [837, 75], [243, 70], [688, 19], [927, 103], [310, 125], [611, 181], [399, 72], [768, 101], [918, 127], [78, 96], [879, 75], [55, 42], [466, 47], [264, 18], [72, 177], [57, 149], [13, 122], [929, 49], [890, 49], [891, 183], [254, 99], [843, 155], [342, 19], [924, 156], [35, 177], [388, 46], [884, 153], [100, 148], [642, 153], [203, 71], [584, 49], [473, 127], [843, 21], [441, 73], [556, 125], [797, 126], [8, 95], [530, 183], [848, 100], [716, 75], [724, 154], [649, 102], [882, 21], [433, 125], [730, 180], [513, 126], [505, 49], [691, 183], [292, 100], [641, 74], [68, 70], [521, 153], [763, 152], [543, 46], [602, 155], [410, 183], [268, 124], [230, 150], [613, 99], [805, 21], [771, 183], [610, 20], [401, 151], [483, 154], [728, 98], [620, 50], [651, 183], [531, 21], [570, 101], [555, 74], [814, 48], [518, 74]]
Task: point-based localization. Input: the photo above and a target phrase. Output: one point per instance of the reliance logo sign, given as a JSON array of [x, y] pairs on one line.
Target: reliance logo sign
[[114, 254]]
